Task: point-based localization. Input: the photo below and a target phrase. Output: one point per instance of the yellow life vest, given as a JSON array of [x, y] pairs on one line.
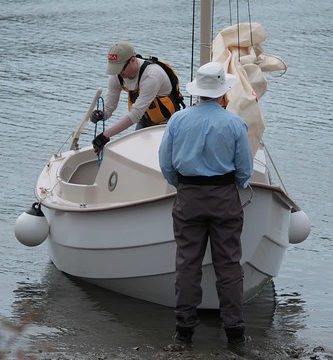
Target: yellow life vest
[[162, 107]]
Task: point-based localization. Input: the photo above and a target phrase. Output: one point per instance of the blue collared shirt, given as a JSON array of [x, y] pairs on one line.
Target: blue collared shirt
[[206, 140]]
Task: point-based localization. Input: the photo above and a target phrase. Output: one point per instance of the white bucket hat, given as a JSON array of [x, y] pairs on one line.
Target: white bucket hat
[[211, 81]]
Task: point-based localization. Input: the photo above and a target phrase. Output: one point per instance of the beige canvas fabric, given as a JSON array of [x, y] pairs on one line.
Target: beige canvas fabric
[[251, 82]]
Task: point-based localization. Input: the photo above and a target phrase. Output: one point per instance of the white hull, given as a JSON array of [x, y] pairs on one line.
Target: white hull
[[129, 246], [159, 289]]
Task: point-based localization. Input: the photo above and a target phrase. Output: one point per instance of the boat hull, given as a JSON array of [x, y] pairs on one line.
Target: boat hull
[[132, 250]]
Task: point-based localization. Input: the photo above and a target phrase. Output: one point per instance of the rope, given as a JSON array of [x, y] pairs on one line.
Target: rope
[[230, 18], [63, 144], [238, 24], [212, 31], [275, 168], [100, 155], [250, 22], [284, 65], [192, 55], [57, 155], [238, 30], [45, 192]]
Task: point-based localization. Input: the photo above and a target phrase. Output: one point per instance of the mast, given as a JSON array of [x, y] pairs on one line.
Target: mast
[[205, 31]]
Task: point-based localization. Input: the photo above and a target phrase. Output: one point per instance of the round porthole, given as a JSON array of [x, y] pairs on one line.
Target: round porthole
[[113, 180]]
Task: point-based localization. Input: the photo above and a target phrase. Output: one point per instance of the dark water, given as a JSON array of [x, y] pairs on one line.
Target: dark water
[[52, 59]]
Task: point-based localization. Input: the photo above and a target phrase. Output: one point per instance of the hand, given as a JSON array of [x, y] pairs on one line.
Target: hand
[[96, 116], [99, 142]]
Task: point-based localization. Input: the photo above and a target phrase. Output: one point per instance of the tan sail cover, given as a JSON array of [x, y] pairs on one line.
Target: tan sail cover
[[251, 82]]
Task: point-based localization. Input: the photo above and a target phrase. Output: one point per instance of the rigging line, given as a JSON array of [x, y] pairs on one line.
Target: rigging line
[[192, 55], [283, 63], [250, 22], [212, 31], [238, 41], [230, 18], [274, 166], [63, 144]]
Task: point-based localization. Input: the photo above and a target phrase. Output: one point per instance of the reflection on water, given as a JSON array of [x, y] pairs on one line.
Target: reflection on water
[[72, 313], [291, 310]]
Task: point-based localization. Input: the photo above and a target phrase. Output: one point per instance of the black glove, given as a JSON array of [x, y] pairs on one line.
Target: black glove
[[99, 142], [96, 116]]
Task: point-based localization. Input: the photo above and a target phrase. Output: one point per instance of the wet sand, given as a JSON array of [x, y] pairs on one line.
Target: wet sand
[[69, 319], [263, 351]]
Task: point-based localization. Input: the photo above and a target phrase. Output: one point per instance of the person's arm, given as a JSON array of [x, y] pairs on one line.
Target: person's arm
[[112, 96], [150, 85], [111, 103], [243, 158], [152, 81], [104, 137], [118, 127], [165, 156]]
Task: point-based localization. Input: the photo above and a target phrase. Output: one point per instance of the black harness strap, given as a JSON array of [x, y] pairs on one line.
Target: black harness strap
[[175, 95]]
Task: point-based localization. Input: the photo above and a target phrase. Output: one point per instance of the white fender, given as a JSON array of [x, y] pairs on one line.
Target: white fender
[[299, 228], [31, 227]]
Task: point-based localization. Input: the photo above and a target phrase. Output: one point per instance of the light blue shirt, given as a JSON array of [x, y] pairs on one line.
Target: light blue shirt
[[206, 140]]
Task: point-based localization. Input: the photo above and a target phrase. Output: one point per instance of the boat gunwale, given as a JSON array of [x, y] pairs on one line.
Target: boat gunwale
[[77, 207], [107, 207]]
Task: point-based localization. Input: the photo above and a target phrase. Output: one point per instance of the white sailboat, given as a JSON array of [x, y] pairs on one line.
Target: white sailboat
[[111, 224]]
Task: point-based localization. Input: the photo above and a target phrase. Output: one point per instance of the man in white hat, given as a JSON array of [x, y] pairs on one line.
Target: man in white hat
[[206, 155], [152, 97]]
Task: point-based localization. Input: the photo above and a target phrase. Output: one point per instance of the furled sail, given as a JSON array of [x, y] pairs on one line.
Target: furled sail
[[239, 50]]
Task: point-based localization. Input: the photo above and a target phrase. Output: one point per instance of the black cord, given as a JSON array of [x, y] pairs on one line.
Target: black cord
[[192, 57], [212, 31], [238, 31], [250, 22], [230, 18]]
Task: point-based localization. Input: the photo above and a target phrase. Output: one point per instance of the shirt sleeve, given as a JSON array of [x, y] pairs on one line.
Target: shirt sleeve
[[112, 96], [165, 156], [243, 158]]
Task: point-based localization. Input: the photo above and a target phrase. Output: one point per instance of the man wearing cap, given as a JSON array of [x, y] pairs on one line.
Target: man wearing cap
[[123, 69], [206, 155]]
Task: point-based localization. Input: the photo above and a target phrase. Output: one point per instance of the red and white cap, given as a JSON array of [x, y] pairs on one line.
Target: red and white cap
[[118, 55]]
